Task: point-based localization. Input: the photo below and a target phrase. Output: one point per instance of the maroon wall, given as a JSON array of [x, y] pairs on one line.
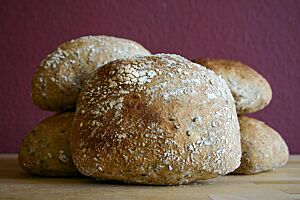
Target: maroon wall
[[264, 34]]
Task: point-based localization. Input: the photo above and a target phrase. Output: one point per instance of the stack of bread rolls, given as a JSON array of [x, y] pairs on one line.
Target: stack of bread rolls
[[55, 87], [125, 115], [263, 148]]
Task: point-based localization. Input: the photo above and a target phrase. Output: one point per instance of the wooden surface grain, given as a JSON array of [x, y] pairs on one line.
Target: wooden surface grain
[[283, 183]]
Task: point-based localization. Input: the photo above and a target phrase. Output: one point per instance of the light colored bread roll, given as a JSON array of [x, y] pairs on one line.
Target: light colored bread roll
[[251, 91], [159, 120], [59, 78], [262, 147], [45, 150]]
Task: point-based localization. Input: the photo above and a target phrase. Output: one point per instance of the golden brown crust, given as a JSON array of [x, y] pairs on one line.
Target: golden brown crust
[[58, 80], [250, 90], [262, 147], [45, 150], [159, 120]]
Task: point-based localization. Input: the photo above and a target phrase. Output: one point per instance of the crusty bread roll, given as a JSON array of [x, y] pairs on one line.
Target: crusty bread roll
[[45, 150], [262, 147], [58, 80], [251, 91], [159, 120]]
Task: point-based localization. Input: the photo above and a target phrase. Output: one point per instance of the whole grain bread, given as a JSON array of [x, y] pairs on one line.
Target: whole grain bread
[[58, 80], [45, 150], [262, 147], [251, 90], [159, 120]]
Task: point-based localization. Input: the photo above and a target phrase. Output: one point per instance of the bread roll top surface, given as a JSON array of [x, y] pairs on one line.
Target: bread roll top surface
[[59, 78], [251, 90]]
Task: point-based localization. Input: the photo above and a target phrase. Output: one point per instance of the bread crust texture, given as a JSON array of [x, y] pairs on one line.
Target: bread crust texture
[[157, 120], [263, 148], [45, 150], [58, 80], [251, 90]]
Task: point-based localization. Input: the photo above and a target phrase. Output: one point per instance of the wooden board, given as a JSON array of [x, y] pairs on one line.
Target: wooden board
[[283, 183]]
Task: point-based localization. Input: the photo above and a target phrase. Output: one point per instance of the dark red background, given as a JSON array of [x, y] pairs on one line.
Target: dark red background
[[263, 34]]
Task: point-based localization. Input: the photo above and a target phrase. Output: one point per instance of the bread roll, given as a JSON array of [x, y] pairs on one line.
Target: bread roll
[[262, 147], [250, 90], [45, 150], [159, 120], [58, 80]]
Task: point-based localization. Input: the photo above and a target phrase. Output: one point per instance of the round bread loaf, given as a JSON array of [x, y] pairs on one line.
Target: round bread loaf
[[251, 91], [262, 147], [45, 150], [159, 120], [58, 80]]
